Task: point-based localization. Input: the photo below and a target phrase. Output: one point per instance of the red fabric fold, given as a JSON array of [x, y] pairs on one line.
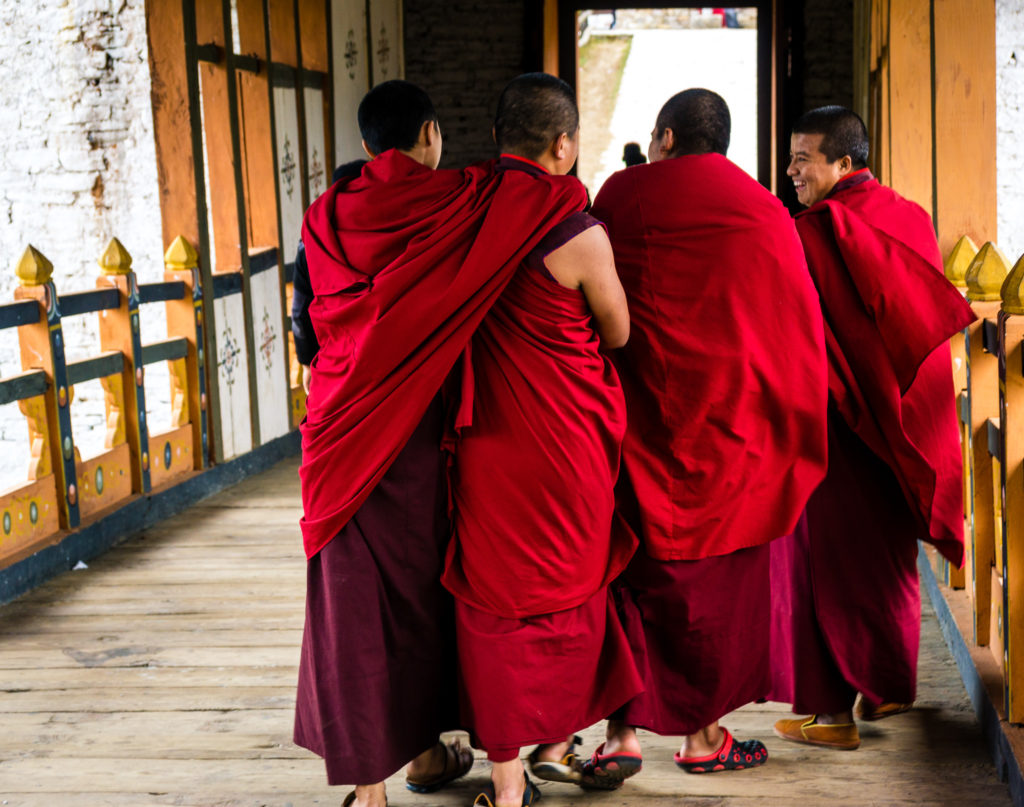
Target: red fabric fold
[[535, 471], [889, 313], [725, 372], [404, 262]]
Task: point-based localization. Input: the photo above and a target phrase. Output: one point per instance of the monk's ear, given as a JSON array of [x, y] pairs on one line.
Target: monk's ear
[[369, 153], [668, 142], [845, 165], [494, 135], [428, 133]]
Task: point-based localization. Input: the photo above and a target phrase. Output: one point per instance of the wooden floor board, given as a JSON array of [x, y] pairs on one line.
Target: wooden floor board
[[164, 674]]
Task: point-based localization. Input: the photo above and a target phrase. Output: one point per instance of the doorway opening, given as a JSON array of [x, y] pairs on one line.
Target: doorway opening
[[629, 61]]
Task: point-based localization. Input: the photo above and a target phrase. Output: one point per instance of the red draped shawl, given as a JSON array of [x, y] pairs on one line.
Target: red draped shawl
[[889, 314], [536, 470], [724, 373], [404, 263]]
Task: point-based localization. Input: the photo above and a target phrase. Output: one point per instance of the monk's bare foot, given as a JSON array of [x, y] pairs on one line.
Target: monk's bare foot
[[509, 782], [706, 741], [554, 752], [836, 718], [370, 796], [620, 739]]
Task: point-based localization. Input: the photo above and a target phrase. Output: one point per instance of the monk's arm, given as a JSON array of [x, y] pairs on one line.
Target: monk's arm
[[586, 263]]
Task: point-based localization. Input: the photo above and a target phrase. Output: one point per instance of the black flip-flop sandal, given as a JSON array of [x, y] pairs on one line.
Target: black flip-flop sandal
[[566, 770], [486, 797], [732, 756]]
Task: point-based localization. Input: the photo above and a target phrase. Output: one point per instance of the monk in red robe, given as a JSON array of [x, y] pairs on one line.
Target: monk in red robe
[[404, 261], [542, 653], [847, 609], [725, 384]]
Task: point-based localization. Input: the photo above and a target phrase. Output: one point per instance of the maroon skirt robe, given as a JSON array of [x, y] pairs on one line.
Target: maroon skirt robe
[[700, 631], [377, 676], [847, 607]]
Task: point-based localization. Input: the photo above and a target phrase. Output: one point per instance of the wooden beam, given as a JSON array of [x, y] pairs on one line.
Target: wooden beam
[[965, 122], [910, 109], [260, 188], [220, 157], [175, 161]]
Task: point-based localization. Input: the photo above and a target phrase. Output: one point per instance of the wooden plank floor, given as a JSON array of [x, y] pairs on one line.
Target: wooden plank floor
[[164, 674]]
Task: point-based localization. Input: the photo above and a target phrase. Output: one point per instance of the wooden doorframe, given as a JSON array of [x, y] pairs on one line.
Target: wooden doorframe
[[560, 48]]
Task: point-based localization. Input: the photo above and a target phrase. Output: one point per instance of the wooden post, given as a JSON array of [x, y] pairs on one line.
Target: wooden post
[[964, 89], [956, 266], [1011, 404], [984, 279], [910, 100], [119, 330], [188, 376], [42, 347]]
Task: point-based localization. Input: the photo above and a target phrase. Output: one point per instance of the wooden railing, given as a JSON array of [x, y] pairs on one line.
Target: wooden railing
[[62, 492], [988, 364]]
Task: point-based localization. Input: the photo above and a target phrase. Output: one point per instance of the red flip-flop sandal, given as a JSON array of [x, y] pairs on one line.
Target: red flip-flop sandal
[[732, 756]]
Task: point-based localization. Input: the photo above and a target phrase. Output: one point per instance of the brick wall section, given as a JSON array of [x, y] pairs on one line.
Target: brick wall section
[[1010, 126], [77, 165], [826, 58], [462, 53]]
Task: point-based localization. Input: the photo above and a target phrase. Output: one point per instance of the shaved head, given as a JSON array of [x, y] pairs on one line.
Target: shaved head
[[533, 110], [842, 130], [699, 120]]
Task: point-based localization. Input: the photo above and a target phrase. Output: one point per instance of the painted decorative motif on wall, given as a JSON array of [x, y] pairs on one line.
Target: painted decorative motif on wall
[[316, 175], [288, 167], [267, 339], [230, 357], [383, 51], [351, 54]]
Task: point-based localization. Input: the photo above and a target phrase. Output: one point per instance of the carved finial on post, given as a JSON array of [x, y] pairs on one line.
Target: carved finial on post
[[115, 259], [959, 260], [33, 268], [1011, 292], [181, 255], [986, 274]]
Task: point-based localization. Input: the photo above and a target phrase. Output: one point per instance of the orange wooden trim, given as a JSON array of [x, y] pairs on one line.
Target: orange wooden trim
[[171, 455], [283, 34], [104, 482], [29, 519]]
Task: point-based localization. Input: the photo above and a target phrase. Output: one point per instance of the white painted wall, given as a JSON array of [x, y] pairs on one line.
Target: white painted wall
[[1010, 126], [77, 166]]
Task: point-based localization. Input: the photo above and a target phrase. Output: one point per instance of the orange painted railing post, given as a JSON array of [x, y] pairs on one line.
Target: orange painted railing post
[[956, 265], [126, 392], [984, 278], [1010, 559], [188, 375], [42, 348]]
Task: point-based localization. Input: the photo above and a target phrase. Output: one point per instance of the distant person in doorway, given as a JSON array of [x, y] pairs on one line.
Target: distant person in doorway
[[632, 155], [847, 609], [726, 434]]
